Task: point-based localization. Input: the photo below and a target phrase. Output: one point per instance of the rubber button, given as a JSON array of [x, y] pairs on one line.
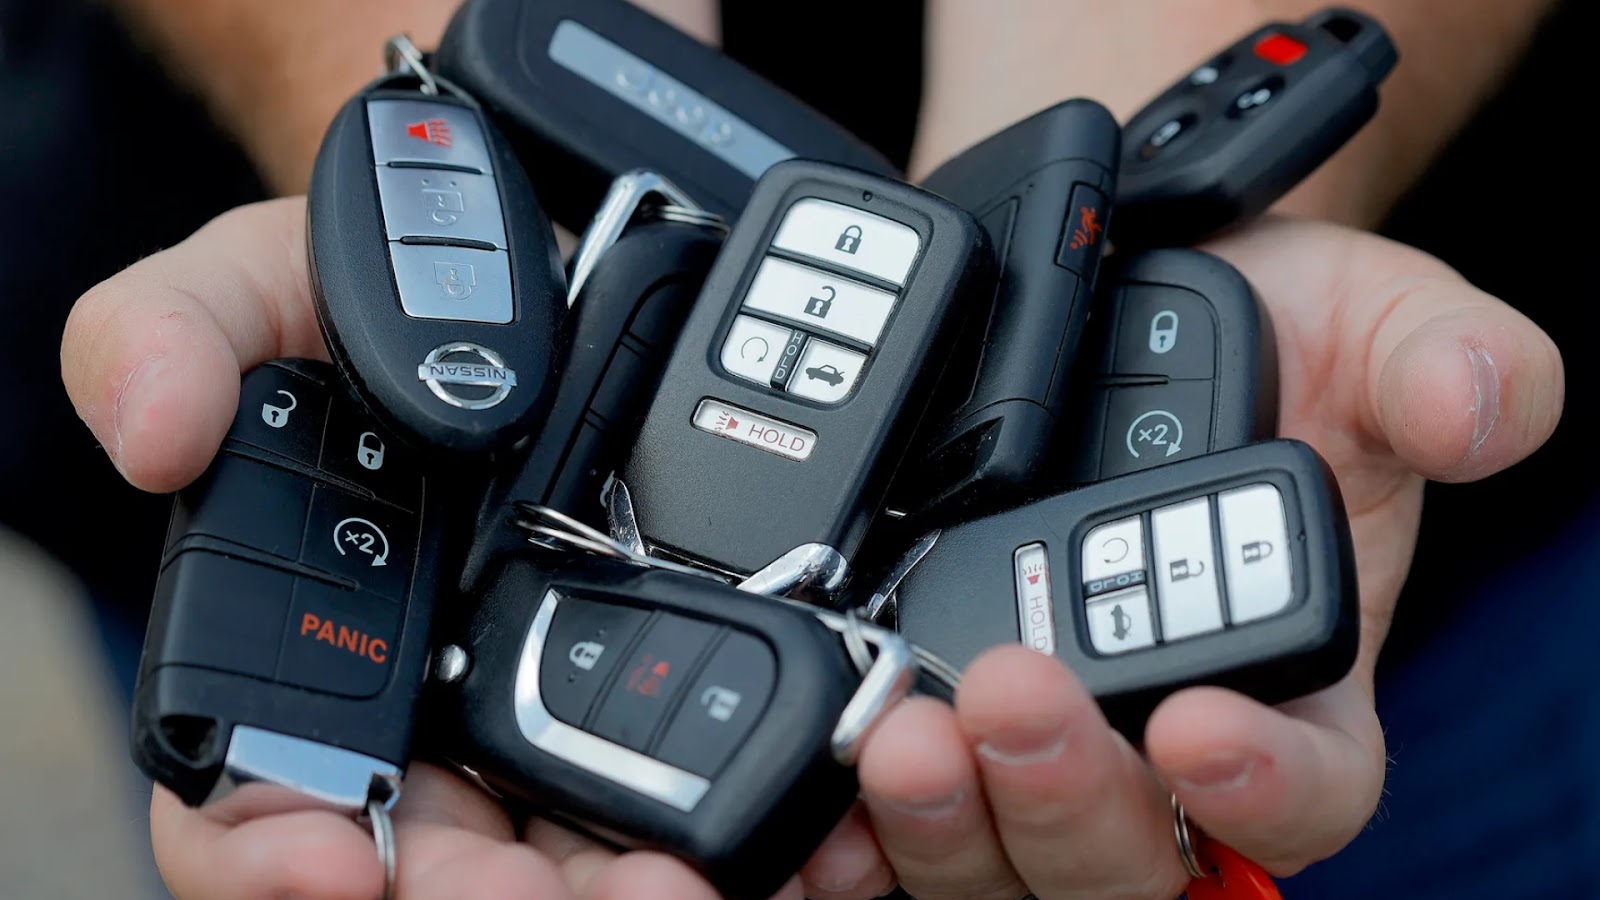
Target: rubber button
[[1084, 231], [247, 502], [1165, 330], [651, 680], [1149, 426], [586, 643], [338, 641], [357, 449], [722, 707], [282, 412], [369, 542], [220, 613]]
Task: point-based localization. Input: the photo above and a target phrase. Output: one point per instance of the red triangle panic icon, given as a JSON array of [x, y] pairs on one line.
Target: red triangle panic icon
[[418, 130]]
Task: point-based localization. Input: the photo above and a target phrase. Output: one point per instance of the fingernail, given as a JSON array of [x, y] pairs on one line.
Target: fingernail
[[1486, 389], [1024, 747], [936, 807], [1227, 772], [132, 399]]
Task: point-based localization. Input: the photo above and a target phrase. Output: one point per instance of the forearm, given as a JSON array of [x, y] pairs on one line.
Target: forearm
[[994, 63], [274, 73]]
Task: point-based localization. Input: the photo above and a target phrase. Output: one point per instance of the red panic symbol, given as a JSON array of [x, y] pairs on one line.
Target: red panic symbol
[[1089, 228], [646, 679], [434, 131]]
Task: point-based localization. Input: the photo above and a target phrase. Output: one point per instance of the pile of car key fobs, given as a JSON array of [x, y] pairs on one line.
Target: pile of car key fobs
[[651, 543]]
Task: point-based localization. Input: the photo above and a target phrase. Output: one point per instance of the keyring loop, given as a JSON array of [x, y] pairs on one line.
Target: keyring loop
[[1180, 828], [383, 837]]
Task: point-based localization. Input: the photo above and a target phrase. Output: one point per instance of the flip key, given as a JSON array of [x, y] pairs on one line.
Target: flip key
[[436, 276], [1042, 189], [1184, 363], [591, 89], [805, 365], [1233, 569], [668, 711], [1240, 130], [287, 642]]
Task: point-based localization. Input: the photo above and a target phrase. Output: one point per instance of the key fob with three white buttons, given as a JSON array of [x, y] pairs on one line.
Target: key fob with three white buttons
[[436, 275], [1233, 569]]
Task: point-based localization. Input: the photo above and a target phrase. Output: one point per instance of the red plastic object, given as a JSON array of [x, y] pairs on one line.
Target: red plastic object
[[1280, 49], [1234, 878]]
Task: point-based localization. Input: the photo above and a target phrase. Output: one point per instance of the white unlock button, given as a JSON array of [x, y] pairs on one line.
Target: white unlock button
[[278, 416]]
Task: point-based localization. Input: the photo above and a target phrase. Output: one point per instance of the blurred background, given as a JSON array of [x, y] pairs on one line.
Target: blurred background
[[102, 162]]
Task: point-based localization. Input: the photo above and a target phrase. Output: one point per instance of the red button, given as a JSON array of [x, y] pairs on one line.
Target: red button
[[1280, 49]]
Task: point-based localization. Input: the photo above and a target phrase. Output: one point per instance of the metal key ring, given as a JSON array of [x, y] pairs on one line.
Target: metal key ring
[[1180, 827], [383, 837]]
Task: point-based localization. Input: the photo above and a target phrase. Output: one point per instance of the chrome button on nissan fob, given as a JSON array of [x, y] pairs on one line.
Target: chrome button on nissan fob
[[668, 711], [437, 280], [1233, 569], [289, 633], [804, 366]]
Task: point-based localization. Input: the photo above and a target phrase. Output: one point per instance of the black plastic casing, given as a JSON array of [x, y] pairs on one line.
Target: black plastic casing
[[376, 346], [998, 408], [771, 805], [576, 137], [1225, 168], [960, 600], [735, 508], [624, 323], [183, 716], [1244, 384]]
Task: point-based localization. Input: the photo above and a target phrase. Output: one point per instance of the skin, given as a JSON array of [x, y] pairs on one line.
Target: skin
[[1393, 367]]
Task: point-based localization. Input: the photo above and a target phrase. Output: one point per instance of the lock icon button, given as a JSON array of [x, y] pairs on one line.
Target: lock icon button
[[278, 416], [819, 306], [1163, 331], [369, 451], [849, 240]]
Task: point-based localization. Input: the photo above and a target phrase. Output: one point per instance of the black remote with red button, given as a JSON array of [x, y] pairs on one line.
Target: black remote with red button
[[1042, 189], [803, 369], [436, 275], [1239, 131], [288, 639], [664, 710]]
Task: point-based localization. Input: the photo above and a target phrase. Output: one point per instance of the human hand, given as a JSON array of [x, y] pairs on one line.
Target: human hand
[[152, 359], [1397, 371]]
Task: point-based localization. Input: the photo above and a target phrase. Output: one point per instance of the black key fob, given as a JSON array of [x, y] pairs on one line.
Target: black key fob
[[1185, 362], [288, 640], [1233, 569], [591, 89], [804, 367], [1042, 189], [437, 279], [667, 711], [625, 322], [1243, 128]]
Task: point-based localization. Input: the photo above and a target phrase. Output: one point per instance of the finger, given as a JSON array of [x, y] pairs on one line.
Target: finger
[[920, 785], [1285, 788], [453, 841], [653, 875], [151, 357], [1076, 809], [1459, 384], [849, 865], [580, 859], [315, 855]]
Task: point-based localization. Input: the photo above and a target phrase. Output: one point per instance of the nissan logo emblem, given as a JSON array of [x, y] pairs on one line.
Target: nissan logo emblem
[[467, 376]]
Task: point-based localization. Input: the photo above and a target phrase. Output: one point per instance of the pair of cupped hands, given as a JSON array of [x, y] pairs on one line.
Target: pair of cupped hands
[[1392, 366]]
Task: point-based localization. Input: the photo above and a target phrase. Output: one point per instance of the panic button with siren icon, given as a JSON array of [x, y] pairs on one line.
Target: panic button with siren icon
[[809, 354]]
